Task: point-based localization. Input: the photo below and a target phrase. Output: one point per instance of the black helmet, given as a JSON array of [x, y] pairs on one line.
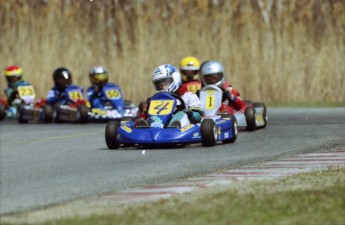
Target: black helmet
[[62, 78]]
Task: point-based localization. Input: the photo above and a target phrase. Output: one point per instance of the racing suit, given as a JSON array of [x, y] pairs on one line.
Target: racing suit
[[56, 96], [193, 112], [231, 99], [11, 91], [98, 99], [193, 85]]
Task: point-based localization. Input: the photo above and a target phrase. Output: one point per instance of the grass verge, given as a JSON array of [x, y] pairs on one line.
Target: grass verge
[[311, 198]]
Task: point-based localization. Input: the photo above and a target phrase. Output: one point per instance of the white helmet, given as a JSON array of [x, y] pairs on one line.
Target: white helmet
[[166, 78], [212, 72]]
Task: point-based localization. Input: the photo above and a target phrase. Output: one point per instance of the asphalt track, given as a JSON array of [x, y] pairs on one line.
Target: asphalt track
[[44, 164]]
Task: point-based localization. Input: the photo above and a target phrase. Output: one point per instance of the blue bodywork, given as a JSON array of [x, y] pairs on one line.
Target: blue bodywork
[[67, 110], [109, 104], [110, 94], [161, 109]]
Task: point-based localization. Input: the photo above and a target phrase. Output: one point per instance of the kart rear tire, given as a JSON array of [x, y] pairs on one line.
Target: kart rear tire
[[208, 131], [56, 114], [234, 131], [264, 114], [83, 113], [2, 112], [111, 133], [47, 114], [127, 103], [250, 118]]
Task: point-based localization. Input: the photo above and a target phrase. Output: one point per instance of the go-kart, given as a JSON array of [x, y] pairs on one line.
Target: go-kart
[[161, 109], [2, 109], [112, 106], [73, 108], [253, 117], [25, 107]]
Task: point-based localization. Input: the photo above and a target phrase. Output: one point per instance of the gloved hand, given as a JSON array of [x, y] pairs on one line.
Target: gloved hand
[[13, 95], [194, 117], [227, 95]]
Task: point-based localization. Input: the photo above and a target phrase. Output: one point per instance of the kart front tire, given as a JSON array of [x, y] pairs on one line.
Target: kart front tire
[[208, 130], [2, 112], [234, 131], [20, 114], [250, 118], [111, 133], [47, 114], [56, 114], [83, 113]]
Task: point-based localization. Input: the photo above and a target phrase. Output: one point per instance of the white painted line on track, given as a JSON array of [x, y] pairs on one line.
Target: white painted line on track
[[270, 170], [266, 171]]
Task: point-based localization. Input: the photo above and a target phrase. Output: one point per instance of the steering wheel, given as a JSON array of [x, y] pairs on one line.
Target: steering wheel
[[183, 104]]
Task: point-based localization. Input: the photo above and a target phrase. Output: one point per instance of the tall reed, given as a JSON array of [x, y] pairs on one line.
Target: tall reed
[[272, 51]]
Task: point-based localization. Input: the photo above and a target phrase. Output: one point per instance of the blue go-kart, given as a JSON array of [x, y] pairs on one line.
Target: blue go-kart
[[162, 107], [112, 106], [73, 108]]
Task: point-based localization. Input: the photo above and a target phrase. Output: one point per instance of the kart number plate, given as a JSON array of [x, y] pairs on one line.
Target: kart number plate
[[193, 88], [210, 99], [113, 94], [26, 91], [75, 95], [161, 107]]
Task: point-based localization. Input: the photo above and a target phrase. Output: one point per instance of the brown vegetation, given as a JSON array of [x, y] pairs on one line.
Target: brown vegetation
[[273, 51]]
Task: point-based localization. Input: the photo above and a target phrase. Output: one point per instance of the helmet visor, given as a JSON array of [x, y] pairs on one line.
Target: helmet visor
[[163, 83], [213, 78], [12, 79], [189, 72], [63, 83], [99, 78]]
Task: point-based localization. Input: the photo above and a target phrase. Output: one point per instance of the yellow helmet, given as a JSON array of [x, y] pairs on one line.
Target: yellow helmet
[[189, 67]]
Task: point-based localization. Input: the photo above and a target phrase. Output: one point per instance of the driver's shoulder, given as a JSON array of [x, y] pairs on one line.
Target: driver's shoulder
[[24, 83], [189, 96]]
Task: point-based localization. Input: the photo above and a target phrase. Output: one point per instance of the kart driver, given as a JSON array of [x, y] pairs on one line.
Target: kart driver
[[62, 79], [14, 78], [189, 69], [212, 72], [98, 76], [166, 78]]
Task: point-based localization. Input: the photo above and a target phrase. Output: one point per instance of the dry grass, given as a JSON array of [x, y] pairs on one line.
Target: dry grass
[[307, 198], [296, 57]]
